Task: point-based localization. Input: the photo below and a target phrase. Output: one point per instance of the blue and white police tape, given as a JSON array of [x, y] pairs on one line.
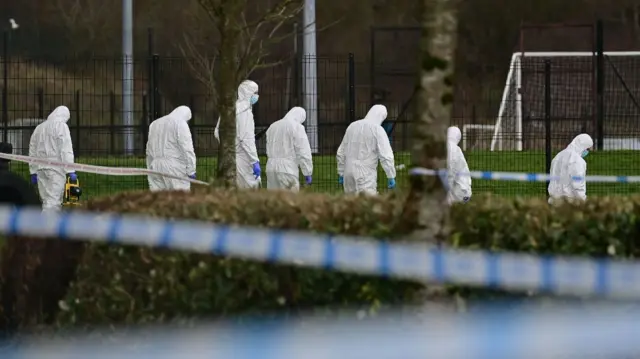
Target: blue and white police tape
[[488, 333], [523, 176], [511, 271]]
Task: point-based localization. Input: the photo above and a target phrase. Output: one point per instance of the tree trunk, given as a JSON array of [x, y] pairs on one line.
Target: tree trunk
[[426, 201], [227, 90]]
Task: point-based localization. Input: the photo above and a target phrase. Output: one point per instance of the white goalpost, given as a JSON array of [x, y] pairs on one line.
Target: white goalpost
[[508, 128]]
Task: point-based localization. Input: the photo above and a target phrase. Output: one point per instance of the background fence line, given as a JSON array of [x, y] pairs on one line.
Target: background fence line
[[347, 87]]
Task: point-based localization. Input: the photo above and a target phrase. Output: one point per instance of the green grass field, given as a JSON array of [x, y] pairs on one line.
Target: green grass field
[[325, 174], [611, 163]]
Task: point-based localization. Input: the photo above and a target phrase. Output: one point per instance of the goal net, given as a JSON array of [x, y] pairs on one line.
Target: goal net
[[520, 122]]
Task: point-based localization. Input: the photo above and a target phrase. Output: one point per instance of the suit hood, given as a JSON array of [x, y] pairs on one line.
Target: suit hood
[[377, 114], [581, 143], [246, 89], [454, 135], [60, 114], [297, 114], [181, 112]]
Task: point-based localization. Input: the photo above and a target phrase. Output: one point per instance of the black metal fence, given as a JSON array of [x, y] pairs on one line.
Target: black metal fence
[[549, 98], [92, 89]]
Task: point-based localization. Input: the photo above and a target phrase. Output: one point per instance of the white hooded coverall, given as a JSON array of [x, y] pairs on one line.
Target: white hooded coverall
[[569, 164], [246, 151], [287, 148], [364, 144], [459, 185], [52, 140], [170, 150]]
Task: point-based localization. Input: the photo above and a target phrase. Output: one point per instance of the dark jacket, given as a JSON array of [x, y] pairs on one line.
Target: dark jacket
[[5, 148]]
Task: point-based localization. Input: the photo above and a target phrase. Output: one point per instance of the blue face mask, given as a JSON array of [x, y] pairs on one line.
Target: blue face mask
[[585, 153], [254, 99]]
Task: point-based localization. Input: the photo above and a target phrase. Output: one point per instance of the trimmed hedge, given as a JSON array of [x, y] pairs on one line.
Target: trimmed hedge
[[129, 285], [602, 226], [126, 285]]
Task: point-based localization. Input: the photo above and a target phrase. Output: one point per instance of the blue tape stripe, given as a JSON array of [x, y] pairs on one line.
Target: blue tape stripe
[[329, 258], [63, 226], [220, 236], [548, 283], [114, 229], [383, 259], [493, 271], [166, 235], [437, 260], [602, 286], [275, 244], [14, 221]]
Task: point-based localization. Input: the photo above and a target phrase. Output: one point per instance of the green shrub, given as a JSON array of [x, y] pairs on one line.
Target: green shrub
[[117, 284], [602, 226]]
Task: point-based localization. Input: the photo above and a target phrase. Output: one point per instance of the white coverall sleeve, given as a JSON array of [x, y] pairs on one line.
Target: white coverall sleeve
[[303, 151], [385, 153], [186, 145], [340, 158], [65, 145], [216, 132], [33, 168], [579, 169], [247, 138]]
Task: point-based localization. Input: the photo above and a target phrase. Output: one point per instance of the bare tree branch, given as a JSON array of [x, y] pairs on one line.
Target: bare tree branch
[[201, 65]]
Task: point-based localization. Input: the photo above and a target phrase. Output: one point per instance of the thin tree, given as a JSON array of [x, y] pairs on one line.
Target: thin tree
[[426, 201], [243, 46]]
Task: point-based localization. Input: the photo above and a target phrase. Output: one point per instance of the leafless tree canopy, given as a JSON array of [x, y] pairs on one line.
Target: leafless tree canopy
[[255, 31]]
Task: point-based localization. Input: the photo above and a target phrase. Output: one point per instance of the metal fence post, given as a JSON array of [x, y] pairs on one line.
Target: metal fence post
[[5, 87], [112, 122], [41, 103], [144, 124], [600, 85], [155, 93], [372, 64], [352, 88], [192, 106], [77, 141], [547, 113], [150, 74]]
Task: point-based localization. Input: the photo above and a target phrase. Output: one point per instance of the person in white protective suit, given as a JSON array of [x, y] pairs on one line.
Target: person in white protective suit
[[170, 150], [364, 144], [458, 179], [247, 161], [51, 140], [287, 148], [567, 165]]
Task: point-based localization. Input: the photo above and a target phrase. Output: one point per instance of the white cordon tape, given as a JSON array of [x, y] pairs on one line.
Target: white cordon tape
[[101, 170]]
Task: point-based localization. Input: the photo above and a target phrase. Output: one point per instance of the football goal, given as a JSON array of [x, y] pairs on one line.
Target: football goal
[[573, 93]]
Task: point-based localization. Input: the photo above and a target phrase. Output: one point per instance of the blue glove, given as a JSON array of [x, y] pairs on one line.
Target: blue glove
[[73, 176], [391, 183], [340, 180], [256, 169], [193, 176], [34, 179], [307, 180]]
